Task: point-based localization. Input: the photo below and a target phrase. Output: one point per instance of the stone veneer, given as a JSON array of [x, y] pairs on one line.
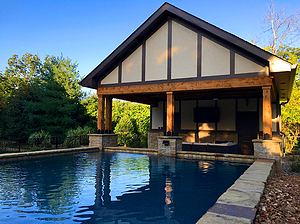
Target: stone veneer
[[169, 145], [103, 140], [152, 139], [270, 149]]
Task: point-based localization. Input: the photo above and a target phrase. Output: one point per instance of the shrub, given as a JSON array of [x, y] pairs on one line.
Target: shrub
[[41, 137], [74, 136], [296, 166], [126, 131]]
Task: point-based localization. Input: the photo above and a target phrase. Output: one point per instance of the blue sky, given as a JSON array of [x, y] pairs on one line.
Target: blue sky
[[87, 31]]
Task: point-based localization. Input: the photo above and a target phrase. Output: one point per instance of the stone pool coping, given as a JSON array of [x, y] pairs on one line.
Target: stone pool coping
[[216, 156], [22, 155], [131, 150], [239, 203], [188, 154]]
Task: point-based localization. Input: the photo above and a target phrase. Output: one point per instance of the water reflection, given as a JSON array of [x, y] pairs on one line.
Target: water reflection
[[168, 199], [135, 169], [111, 188], [205, 166]]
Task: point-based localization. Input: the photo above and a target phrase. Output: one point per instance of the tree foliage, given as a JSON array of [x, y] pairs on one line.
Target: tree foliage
[[291, 111], [90, 102], [133, 119], [126, 130], [65, 74], [40, 96]]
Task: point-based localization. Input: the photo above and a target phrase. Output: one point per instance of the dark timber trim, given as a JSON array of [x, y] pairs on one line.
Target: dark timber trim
[[143, 61], [120, 74], [232, 62], [199, 55], [169, 66]]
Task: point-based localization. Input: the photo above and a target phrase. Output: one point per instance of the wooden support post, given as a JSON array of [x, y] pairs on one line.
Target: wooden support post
[[108, 118], [267, 113], [100, 123], [170, 113]]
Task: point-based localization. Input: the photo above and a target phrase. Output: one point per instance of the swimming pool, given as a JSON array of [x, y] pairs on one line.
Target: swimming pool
[[109, 187]]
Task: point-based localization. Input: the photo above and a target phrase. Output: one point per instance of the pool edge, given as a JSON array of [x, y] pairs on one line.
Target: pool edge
[[23, 155], [238, 205]]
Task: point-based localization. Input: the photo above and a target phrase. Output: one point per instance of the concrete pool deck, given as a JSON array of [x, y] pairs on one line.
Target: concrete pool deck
[[235, 206]]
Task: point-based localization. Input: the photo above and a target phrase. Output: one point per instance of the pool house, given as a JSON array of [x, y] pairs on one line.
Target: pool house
[[209, 90]]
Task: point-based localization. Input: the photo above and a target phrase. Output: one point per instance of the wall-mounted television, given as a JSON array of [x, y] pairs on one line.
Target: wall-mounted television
[[206, 114]]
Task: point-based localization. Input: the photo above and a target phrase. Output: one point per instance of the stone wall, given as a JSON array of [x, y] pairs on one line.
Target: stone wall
[[271, 149], [152, 139], [169, 145], [103, 140]]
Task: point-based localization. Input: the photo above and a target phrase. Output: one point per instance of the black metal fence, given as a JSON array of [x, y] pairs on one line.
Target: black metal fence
[[35, 144]]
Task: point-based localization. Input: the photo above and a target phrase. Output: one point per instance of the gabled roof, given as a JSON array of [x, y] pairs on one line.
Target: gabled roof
[[158, 18]]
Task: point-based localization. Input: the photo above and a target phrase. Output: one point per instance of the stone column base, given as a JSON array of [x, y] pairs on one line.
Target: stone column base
[[270, 149], [103, 140], [152, 139], [169, 145]]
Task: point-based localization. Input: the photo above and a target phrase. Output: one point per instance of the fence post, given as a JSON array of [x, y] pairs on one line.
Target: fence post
[[56, 142], [19, 145]]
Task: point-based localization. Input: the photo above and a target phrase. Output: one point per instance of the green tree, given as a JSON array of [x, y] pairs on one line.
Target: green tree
[[126, 130], [14, 117], [41, 96], [20, 72], [291, 120], [139, 115], [65, 74], [291, 111], [90, 102], [51, 109]]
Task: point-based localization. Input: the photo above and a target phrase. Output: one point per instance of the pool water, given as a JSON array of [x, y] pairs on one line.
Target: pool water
[[111, 188]]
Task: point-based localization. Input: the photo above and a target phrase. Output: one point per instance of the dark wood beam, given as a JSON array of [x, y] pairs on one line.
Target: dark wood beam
[[188, 86]]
